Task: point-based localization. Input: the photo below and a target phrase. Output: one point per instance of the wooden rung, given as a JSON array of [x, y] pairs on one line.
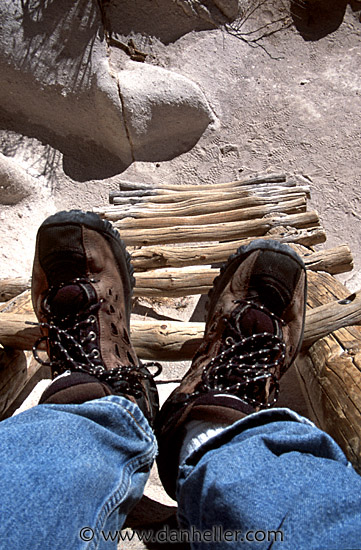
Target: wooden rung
[[201, 196], [269, 178], [240, 214], [334, 315], [219, 231], [174, 282], [12, 287], [153, 257], [142, 215], [177, 340], [183, 282], [201, 205], [333, 260]]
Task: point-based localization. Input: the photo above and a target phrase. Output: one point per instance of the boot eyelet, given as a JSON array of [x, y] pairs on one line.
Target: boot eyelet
[[92, 336], [92, 319], [95, 353], [98, 370]]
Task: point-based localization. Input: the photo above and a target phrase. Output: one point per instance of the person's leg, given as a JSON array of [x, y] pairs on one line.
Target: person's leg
[[71, 473], [242, 469], [80, 459], [272, 480]]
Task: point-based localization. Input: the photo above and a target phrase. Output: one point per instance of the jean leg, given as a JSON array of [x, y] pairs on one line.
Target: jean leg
[[65, 468], [272, 471]]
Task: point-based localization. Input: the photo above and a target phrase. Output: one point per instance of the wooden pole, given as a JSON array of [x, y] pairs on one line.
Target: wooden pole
[[20, 303], [174, 282], [182, 282], [253, 212], [219, 231], [333, 260], [334, 315], [168, 341], [202, 195], [19, 374], [177, 340], [12, 287], [193, 208], [330, 370], [153, 257], [270, 178], [13, 368]]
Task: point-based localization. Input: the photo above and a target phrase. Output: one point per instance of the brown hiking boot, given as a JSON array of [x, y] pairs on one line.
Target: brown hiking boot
[[253, 332], [82, 285]]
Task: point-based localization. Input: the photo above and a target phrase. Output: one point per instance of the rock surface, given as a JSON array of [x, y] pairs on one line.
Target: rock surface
[[56, 75], [164, 113], [218, 11], [15, 183]]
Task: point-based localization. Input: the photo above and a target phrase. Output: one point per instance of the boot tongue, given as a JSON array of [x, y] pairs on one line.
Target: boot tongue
[[71, 299], [254, 321]]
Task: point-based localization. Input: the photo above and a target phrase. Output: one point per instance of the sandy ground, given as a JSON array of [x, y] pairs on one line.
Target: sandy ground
[[292, 105], [293, 108]]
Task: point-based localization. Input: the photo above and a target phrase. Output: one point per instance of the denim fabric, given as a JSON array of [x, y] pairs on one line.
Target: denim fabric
[[67, 467], [271, 471]]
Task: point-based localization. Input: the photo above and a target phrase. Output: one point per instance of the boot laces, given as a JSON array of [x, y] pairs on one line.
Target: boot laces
[[244, 365], [70, 335]]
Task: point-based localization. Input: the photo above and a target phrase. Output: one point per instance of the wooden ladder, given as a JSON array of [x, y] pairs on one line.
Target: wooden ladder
[[177, 236]]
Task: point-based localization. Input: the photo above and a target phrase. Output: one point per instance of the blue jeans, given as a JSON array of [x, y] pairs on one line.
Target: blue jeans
[[70, 474]]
